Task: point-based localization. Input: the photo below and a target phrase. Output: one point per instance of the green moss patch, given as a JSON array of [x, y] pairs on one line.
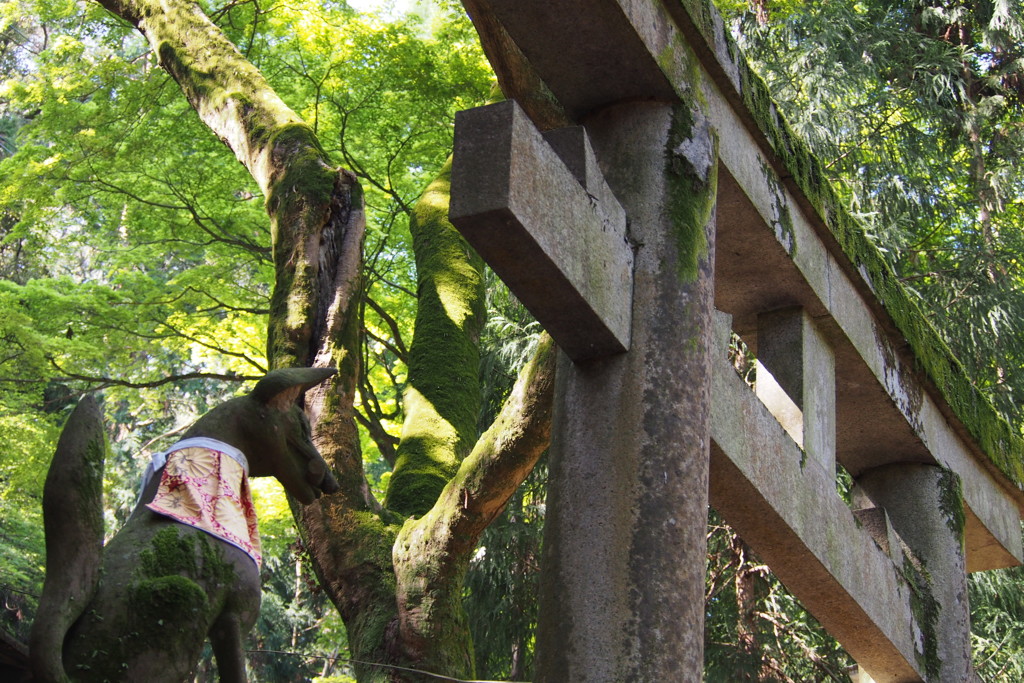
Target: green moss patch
[[925, 609], [933, 359], [692, 173], [951, 504]]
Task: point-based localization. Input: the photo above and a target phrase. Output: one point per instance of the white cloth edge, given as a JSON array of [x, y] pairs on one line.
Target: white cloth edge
[[160, 459]]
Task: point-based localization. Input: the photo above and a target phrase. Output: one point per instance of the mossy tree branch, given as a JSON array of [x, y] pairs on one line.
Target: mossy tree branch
[[432, 553], [308, 200], [315, 209], [442, 400], [317, 231]]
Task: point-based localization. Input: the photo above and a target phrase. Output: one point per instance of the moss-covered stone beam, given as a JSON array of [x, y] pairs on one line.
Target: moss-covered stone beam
[[804, 175], [663, 33]]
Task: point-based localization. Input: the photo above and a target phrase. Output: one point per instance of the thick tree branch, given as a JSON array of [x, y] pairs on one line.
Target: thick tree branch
[[501, 460], [309, 202], [432, 553], [442, 397], [229, 93]]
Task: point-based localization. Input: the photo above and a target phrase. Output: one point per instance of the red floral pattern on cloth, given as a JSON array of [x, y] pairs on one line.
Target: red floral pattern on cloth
[[206, 489]]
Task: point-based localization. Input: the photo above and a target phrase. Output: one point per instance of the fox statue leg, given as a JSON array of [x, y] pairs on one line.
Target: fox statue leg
[[73, 519]]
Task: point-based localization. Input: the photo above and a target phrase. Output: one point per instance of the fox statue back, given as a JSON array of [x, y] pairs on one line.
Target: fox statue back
[[185, 566]]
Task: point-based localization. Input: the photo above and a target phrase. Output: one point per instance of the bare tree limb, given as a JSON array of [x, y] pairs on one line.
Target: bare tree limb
[[102, 382]]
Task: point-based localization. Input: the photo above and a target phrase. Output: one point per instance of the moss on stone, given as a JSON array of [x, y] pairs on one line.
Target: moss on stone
[[90, 494], [154, 600], [934, 360], [692, 176], [925, 609], [162, 605], [951, 504]]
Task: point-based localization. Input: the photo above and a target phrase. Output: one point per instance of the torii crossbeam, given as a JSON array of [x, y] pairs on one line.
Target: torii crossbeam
[[679, 191]]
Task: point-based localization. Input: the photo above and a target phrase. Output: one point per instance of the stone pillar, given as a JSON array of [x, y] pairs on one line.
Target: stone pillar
[[925, 507], [622, 588], [801, 361]]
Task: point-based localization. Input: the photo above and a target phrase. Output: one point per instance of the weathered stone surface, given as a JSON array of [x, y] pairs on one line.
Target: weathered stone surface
[[770, 179], [876, 523], [623, 579], [926, 508], [554, 233], [787, 509], [784, 241], [884, 413], [587, 51], [801, 361]]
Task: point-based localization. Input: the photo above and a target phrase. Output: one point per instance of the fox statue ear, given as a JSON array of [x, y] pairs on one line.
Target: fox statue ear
[[280, 388]]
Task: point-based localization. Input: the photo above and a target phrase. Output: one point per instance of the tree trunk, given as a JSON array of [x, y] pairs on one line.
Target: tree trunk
[[442, 401], [315, 209], [745, 584], [394, 572]]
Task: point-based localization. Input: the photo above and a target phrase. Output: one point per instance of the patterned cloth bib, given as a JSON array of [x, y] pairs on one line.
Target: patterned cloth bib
[[209, 489]]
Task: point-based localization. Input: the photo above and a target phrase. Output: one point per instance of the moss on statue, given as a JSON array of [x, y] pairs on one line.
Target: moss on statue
[[90, 494], [175, 550], [172, 598], [162, 605], [163, 610]]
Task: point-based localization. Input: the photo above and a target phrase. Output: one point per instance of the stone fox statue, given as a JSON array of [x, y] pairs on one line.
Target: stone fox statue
[[185, 565]]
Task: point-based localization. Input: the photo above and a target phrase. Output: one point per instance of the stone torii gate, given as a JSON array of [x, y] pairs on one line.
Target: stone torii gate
[[681, 210]]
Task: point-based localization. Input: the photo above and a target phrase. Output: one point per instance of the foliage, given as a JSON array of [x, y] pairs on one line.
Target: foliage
[[502, 585], [135, 255], [997, 616], [755, 630], [914, 108], [135, 259]]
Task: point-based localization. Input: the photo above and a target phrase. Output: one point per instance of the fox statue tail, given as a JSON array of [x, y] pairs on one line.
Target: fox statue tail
[[73, 520]]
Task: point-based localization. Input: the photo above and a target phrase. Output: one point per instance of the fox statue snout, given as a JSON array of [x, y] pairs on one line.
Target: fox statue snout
[[185, 566]]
